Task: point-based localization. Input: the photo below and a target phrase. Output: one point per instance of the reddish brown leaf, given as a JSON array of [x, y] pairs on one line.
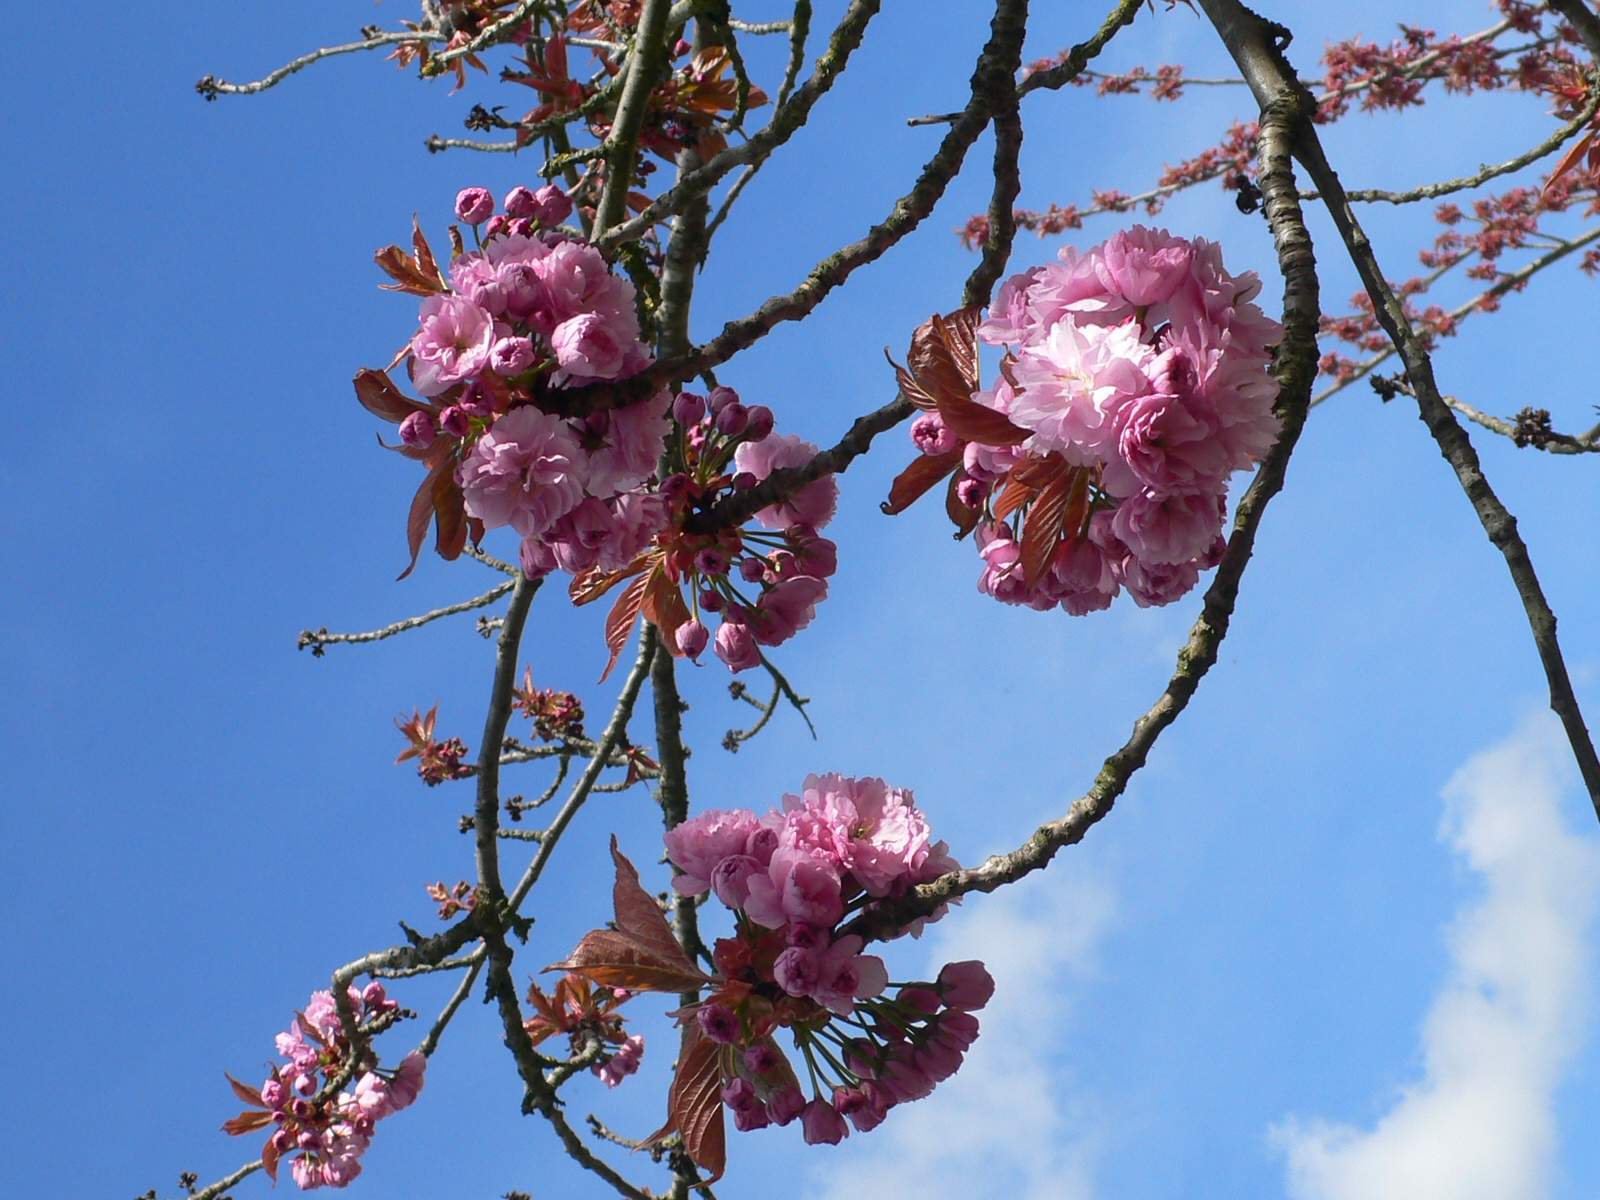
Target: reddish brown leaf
[[619, 624], [940, 369], [421, 514], [640, 952], [909, 387], [245, 1092], [425, 261], [917, 479], [380, 397], [269, 1160], [964, 518], [408, 277], [960, 330], [590, 585], [449, 506], [663, 606], [1013, 496], [1572, 157], [968, 419], [247, 1122], [1041, 533], [694, 1103]]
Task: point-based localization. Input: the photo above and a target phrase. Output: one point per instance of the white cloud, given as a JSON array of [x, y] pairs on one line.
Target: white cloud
[[1002, 1126], [1480, 1124]]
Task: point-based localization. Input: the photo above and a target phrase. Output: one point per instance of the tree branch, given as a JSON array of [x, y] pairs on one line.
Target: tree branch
[[317, 639], [486, 812], [1251, 42], [621, 146], [1296, 369]]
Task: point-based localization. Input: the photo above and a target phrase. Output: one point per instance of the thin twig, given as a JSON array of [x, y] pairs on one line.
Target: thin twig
[[463, 990], [211, 87], [317, 639], [1078, 57], [212, 1191], [435, 144]]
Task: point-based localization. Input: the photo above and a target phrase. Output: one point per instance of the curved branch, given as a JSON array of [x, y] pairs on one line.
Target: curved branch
[[317, 639], [211, 87], [1296, 369], [486, 812], [1250, 41]]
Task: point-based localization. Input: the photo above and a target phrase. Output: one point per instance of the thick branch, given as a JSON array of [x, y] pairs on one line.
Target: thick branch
[[1579, 15], [1296, 369], [645, 65], [1250, 40], [486, 812]]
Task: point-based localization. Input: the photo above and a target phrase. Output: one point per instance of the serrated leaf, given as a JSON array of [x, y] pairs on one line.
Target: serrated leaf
[[663, 606], [408, 277], [1572, 157], [245, 1092], [918, 479], [588, 586], [975, 422], [619, 623], [1041, 532], [380, 397], [640, 953], [694, 1103], [246, 1122], [1013, 496], [426, 264]]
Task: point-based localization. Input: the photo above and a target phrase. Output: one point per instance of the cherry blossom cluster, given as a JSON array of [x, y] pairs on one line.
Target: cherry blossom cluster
[[325, 1128], [1135, 383], [763, 584], [791, 878]]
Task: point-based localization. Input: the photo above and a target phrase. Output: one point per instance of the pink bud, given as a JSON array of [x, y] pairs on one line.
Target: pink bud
[[675, 487], [924, 1000], [733, 418], [692, 638], [785, 1104], [931, 436], [496, 226], [711, 601], [474, 205], [761, 422], [752, 569], [680, 48], [762, 1059], [273, 1093], [689, 408], [520, 203], [736, 647], [720, 398], [418, 430], [555, 206], [959, 1027], [720, 1024], [373, 995], [822, 1124], [455, 421], [966, 985], [711, 561], [971, 492], [512, 355]]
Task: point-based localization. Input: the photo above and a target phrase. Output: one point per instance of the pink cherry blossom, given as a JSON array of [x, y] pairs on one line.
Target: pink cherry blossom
[[526, 471], [697, 845], [786, 608], [735, 646], [797, 886], [813, 505], [1167, 530], [452, 345]]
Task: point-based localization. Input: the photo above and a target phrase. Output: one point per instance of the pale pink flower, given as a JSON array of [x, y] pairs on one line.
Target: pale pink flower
[[526, 471], [797, 886], [1072, 385], [452, 345], [576, 281], [813, 505], [1154, 584], [632, 448], [697, 845], [1166, 530], [785, 608], [1144, 266]]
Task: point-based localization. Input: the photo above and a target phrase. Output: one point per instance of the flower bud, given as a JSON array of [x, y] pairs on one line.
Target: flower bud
[[720, 1024], [761, 422], [675, 487], [555, 206], [497, 225], [418, 430], [736, 647], [373, 995], [520, 203], [752, 570], [785, 1104], [273, 1093], [720, 398], [512, 355], [822, 1124], [689, 408], [931, 436], [711, 561], [474, 205], [762, 1059], [711, 601], [455, 421], [971, 492], [733, 418], [966, 985], [692, 638]]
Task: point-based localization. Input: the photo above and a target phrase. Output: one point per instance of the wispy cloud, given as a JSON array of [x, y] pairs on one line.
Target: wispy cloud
[[1480, 1124], [1003, 1126]]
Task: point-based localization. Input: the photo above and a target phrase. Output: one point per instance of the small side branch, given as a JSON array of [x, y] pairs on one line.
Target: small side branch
[[316, 640], [211, 87]]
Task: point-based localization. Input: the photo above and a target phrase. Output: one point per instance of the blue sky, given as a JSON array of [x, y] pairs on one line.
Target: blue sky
[[1336, 934]]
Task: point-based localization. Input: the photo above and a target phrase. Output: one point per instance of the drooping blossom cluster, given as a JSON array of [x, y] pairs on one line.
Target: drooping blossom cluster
[[322, 1127], [792, 878], [588, 1016], [1134, 384]]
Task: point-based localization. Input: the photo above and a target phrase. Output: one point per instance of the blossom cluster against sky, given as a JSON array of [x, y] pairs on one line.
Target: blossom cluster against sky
[[1263, 976]]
